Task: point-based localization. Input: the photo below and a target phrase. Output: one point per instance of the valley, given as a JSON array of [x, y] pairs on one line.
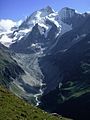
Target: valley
[[32, 80]]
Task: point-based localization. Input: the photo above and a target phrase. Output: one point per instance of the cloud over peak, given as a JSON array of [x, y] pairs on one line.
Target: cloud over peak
[[7, 24]]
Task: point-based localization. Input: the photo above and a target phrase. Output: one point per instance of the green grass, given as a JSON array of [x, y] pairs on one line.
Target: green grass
[[13, 108]]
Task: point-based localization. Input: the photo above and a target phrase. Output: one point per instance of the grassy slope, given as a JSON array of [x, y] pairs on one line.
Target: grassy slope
[[13, 108]]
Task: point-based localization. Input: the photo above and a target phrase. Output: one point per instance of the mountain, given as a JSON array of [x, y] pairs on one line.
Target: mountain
[[44, 18], [65, 20], [50, 27], [52, 48]]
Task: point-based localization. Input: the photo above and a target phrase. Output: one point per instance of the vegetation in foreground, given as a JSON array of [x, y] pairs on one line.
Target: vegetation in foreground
[[13, 108]]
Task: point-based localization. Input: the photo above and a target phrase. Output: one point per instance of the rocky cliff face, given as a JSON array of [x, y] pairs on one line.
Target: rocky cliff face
[[66, 13], [9, 69]]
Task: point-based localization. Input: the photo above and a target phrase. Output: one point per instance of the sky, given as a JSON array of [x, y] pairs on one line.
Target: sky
[[19, 9]]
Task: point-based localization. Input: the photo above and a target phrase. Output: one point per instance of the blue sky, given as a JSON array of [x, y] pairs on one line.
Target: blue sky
[[18, 9]]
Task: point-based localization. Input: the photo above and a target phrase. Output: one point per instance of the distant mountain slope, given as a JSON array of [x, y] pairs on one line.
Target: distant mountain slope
[[72, 93]]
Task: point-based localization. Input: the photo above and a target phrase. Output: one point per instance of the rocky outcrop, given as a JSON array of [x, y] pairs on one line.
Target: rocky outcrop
[[9, 69]]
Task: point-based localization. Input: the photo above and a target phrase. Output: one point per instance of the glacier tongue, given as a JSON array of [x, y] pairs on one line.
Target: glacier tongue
[[31, 85]]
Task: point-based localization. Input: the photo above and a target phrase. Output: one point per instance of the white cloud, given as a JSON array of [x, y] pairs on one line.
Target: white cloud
[[5, 40], [7, 24]]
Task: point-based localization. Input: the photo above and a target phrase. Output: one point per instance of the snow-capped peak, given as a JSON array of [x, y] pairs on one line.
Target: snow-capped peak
[[36, 17], [45, 18], [46, 11]]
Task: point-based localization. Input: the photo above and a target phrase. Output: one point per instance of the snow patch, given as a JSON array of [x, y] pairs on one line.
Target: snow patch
[[38, 15], [25, 31], [53, 20], [77, 12], [43, 25], [44, 28]]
